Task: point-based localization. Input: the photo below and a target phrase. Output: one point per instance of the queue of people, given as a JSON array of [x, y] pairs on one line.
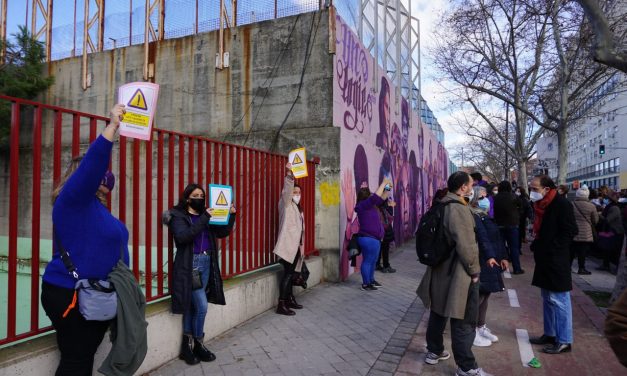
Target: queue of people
[[485, 225]]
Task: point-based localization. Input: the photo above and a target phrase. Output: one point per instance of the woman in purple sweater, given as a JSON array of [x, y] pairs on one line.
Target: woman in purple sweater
[[370, 229], [93, 237]]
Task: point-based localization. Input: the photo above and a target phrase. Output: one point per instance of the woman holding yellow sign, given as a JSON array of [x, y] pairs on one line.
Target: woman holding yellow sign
[[289, 246], [195, 268]]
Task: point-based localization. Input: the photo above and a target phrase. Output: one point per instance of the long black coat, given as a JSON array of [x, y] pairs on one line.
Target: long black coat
[[551, 248], [491, 245], [184, 233]]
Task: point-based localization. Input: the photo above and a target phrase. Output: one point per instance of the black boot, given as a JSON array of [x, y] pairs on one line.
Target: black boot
[[202, 352], [292, 303], [283, 309], [187, 350]]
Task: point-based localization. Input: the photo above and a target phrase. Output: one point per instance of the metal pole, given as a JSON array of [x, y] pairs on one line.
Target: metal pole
[[74, 39], [399, 74], [376, 46], [506, 141]]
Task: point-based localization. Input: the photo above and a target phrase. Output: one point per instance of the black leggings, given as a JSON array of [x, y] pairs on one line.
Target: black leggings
[[384, 254], [285, 288], [77, 338]]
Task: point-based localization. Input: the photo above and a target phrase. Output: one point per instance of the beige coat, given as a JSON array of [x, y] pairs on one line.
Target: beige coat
[[291, 226], [586, 216], [447, 293]]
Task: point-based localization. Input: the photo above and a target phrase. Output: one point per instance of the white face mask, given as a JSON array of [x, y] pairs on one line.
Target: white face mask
[[471, 194], [536, 196], [517, 193], [296, 199]]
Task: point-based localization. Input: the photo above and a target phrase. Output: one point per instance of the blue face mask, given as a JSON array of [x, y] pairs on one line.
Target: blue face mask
[[606, 201], [484, 204]]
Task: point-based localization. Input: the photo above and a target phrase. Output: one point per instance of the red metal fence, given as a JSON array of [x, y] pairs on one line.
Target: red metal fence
[[150, 176]]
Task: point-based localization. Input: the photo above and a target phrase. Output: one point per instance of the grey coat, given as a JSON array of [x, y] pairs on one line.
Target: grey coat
[[586, 216], [128, 330], [444, 288]]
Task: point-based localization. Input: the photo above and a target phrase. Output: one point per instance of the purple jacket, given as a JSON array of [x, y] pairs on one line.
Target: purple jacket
[[369, 218]]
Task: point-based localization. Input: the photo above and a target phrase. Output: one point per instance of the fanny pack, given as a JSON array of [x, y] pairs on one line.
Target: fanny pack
[[97, 299]]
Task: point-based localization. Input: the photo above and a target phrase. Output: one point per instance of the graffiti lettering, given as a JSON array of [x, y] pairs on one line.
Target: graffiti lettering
[[352, 77]]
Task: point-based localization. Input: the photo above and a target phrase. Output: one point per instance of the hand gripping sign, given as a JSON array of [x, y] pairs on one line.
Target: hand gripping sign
[[298, 159], [140, 99], [220, 198]]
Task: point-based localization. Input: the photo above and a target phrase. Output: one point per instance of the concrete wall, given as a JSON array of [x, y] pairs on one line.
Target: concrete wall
[[245, 103], [246, 298]]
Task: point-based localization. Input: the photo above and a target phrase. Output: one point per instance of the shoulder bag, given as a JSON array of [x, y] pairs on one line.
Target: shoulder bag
[[97, 299]]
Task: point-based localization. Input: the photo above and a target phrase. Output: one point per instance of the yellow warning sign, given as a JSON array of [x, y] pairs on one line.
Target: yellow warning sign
[[138, 100], [136, 119], [222, 200], [297, 160]]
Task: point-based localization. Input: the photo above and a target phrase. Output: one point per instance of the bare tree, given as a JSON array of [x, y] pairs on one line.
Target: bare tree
[[605, 45], [493, 51]]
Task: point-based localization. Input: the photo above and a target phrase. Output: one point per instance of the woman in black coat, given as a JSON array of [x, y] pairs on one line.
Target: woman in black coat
[[196, 258], [492, 258]]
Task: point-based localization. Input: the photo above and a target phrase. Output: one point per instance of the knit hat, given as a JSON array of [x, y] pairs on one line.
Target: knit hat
[[108, 180], [583, 192]]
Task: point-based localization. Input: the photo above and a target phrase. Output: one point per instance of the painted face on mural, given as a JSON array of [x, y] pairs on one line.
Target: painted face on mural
[[405, 200]]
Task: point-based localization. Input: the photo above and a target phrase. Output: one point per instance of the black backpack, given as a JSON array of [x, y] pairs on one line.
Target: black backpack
[[432, 245]]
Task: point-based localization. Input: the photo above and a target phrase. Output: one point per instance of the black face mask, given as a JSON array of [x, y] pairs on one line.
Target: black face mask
[[197, 204]]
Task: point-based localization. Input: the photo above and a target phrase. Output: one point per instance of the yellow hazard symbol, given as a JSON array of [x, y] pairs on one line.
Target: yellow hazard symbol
[[222, 200], [138, 100], [297, 160]]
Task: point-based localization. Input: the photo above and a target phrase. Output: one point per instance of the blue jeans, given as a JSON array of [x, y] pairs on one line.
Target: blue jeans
[[370, 248], [511, 237], [558, 315], [194, 319]]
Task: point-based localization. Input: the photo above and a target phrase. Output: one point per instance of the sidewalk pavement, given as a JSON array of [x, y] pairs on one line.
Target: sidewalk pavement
[[340, 331], [591, 353]]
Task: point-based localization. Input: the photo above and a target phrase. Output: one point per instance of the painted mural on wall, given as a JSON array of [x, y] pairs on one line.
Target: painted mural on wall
[[380, 138]]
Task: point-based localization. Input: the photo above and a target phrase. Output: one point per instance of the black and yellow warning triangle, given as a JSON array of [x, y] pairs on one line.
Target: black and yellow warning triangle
[[138, 100], [222, 200], [297, 160]]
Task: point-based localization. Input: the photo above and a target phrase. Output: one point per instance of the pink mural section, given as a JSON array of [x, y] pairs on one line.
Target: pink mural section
[[380, 138]]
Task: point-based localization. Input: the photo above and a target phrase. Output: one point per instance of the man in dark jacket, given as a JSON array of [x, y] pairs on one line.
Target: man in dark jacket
[[554, 228], [507, 208]]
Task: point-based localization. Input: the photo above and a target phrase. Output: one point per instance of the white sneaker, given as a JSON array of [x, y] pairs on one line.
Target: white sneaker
[[472, 372], [433, 358], [481, 341], [485, 332]]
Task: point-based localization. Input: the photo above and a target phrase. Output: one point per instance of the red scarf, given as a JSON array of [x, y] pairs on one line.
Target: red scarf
[[540, 207]]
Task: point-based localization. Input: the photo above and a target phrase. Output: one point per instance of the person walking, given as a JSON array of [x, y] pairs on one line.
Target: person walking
[[85, 228], [451, 289], [370, 230], [289, 245], [196, 272], [554, 228], [493, 260], [387, 218], [507, 209], [587, 217]]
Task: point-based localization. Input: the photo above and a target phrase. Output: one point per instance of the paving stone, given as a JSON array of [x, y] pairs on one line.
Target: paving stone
[[332, 334]]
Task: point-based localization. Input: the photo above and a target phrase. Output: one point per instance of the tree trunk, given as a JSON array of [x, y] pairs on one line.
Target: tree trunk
[[562, 154], [522, 173]]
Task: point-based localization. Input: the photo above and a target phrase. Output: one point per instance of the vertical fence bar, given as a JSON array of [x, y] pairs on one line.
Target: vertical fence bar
[[250, 215], [266, 209], [258, 221], [76, 135], [225, 150], [160, 183], [239, 196], [190, 161], [56, 154], [122, 202], [14, 163], [232, 256], [171, 153], [208, 163], [135, 229], [199, 175], [35, 224], [181, 164], [148, 242], [92, 129]]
